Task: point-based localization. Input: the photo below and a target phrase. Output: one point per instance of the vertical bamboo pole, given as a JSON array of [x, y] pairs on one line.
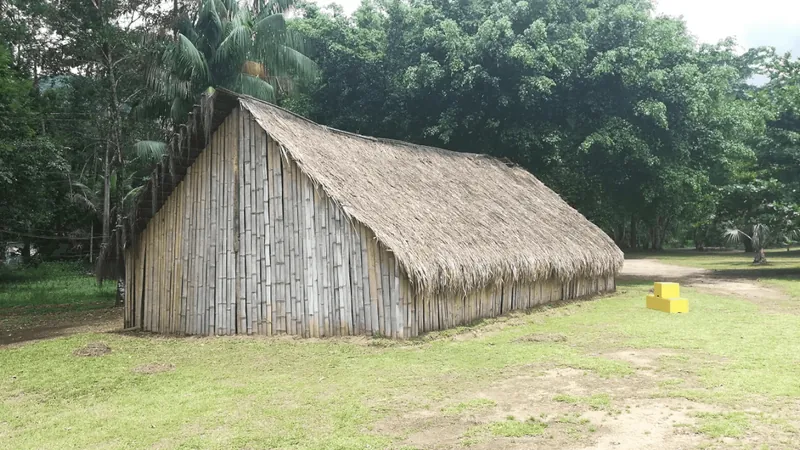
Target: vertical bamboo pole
[[251, 300], [289, 248], [268, 231], [356, 278], [205, 243], [400, 301], [321, 224], [321, 287], [163, 275], [276, 207], [312, 295], [365, 283], [273, 246], [299, 220], [241, 242], [375, 287], [253, 263], [196, 255], [258, 224], [140, 267], [331, 308], [147, 278], [338, 283], [386, 281], [232, 151], [177, 272], [219, 232], [347, 298], [186, 244]]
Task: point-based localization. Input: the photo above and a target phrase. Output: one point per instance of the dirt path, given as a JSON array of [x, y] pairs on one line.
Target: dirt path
[[16, 329], [707, 280]]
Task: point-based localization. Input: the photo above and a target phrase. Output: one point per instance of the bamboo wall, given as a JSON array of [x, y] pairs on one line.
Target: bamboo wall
[[248, 244]]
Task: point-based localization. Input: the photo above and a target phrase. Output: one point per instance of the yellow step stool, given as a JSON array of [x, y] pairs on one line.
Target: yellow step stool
[[668, 305], [667, 290]]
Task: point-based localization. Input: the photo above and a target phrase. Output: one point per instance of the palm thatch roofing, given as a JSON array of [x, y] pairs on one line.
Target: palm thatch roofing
[[453, 220]]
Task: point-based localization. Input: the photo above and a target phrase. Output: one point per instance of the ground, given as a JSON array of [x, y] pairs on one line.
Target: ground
[[597, 374]]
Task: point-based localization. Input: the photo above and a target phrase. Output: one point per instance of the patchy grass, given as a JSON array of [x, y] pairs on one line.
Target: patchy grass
[[511, 428], [717, 425], [470, 405], [241, 392], [52, 287], [595, 402], [572, 419]]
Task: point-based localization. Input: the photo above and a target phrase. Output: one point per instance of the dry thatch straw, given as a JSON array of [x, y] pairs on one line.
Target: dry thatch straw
[[453, 220]]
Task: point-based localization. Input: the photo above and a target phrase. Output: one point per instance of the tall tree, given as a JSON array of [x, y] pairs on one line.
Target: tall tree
[[228, 44]]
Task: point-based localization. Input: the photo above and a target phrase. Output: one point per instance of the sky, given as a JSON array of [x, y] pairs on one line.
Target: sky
[[754, 23]]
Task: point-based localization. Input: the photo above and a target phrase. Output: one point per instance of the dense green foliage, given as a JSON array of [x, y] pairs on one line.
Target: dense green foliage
[[623, 114], [658, 139]]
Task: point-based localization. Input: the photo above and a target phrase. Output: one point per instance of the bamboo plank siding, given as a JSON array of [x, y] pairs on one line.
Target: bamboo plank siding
[[248, 243]]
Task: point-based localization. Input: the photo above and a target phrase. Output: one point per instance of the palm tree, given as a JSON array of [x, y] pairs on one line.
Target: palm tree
[[247, 49]]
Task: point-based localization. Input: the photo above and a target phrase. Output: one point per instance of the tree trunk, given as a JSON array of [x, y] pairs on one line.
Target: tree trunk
[[699, 239], [26, 251], [748, 245], [619, 234], [633, 233], [106, 195], [91, 244], [652, 232]]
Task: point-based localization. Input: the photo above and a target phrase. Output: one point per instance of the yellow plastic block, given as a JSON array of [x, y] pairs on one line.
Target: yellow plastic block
[[667, 290], [668, 305]]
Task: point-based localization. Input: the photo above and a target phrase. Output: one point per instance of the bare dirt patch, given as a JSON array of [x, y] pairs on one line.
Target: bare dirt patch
[[93, 349], [648, 426], [650, 268], [646, 358], [628, 418], [152, 368]]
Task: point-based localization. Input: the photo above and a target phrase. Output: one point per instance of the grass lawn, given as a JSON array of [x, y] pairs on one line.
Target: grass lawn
[[52, 286], [724, 376]]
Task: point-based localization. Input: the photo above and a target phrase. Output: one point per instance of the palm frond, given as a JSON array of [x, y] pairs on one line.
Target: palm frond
[[150, 150], [131, 195], [270, 25], [227, 8], [209, 21], [759, 238], [83, 196], [180, 109], [293, 62], [276, 6], [254, 87], [189, 60], [237, 42], [733, 236]]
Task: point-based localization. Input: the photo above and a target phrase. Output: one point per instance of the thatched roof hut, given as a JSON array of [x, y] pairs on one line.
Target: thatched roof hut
[[382, 224]]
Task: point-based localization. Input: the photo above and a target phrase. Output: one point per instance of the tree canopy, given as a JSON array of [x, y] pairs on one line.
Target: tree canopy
[[659, 139]]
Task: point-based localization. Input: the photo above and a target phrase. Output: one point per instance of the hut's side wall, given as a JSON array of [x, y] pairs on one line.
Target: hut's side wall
[[309, 271], [180, 274], [248, 244]]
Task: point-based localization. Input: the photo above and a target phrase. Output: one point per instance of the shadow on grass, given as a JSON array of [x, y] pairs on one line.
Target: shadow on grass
[[781, 273], [711, 253], [40, 309], [787, 273]]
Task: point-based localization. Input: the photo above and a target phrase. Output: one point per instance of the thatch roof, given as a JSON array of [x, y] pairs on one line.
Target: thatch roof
[[453, 220]]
